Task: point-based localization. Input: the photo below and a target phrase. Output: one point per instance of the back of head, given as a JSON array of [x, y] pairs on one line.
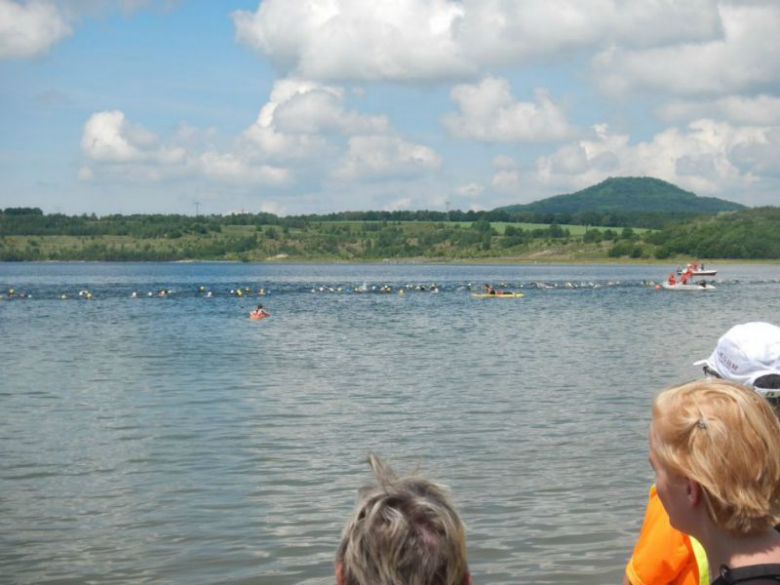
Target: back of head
[[404, 531], [725, 437]]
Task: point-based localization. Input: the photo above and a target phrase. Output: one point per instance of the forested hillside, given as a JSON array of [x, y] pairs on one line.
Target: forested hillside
[[628, 195], [749, 234]]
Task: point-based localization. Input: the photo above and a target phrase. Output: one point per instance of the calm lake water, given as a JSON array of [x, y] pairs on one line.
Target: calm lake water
[[173, 440]]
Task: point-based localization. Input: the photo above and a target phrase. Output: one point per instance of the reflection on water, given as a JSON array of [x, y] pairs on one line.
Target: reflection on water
[[174, 440]]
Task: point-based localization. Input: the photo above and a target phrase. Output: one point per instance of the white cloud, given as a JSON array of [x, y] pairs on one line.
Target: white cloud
[[505, 181], [321, 110], [760, 156], [743, 59], [304, 131], [109, 137], [470, 190], [399, 204], [706, 157], [507, 177], [381, 157], [233, 168], [189, 135], [444, 39], [299, 115], [354, 39], [503, 161], [115, 147], [29, 29], [273, 207], [489, 113], [762, 109]]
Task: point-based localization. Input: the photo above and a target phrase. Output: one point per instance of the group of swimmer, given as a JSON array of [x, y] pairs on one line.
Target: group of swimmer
[[260, 291], [13, 294], [714, 445], [383, 289]]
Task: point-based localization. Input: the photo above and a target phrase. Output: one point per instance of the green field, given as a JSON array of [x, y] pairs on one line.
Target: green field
[[499, 226]]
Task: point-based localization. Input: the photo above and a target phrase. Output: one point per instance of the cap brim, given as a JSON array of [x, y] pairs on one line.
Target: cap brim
[[701, 362]]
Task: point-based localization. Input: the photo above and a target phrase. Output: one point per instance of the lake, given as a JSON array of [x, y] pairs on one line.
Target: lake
[[173, 440]]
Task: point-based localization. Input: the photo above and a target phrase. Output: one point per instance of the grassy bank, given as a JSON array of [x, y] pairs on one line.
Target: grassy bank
[[339, 241]]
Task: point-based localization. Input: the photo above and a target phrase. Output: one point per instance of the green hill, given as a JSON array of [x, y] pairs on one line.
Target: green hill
[[627, 195]]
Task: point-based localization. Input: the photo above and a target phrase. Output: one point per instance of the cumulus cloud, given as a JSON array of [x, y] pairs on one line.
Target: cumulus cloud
[[305, 129], [444, 39], [503, 161], [506, 178], [489, 113], [233, 168], [760, 157], [506, 181], [273, 207], [737, 61], [762, 109], [299, 115], [385, 157], [301, 118], [707, 157], [353, 39], [304, 107], [29, 29], [109, 137], [399, 204], [114, 146], [470, 190]]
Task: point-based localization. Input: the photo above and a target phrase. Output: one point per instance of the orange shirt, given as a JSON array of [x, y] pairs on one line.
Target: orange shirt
[[663, 555]]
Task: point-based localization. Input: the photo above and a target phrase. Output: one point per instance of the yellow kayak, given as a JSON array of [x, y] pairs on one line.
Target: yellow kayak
[[498, 295]]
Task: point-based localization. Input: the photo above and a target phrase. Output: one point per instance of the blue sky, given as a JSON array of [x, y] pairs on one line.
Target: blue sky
[[313, 106]]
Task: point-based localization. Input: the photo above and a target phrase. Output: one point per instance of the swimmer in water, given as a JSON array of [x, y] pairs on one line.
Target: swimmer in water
[[260, 312]]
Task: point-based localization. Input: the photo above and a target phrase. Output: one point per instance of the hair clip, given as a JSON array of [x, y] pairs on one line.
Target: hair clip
[[701, 423]]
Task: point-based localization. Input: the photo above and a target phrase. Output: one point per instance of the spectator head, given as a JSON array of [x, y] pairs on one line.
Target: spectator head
[[721, 440], [404, 531], [750, 355]]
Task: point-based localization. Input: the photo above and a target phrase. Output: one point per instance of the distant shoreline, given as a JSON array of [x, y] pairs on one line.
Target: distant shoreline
[[412, 261]]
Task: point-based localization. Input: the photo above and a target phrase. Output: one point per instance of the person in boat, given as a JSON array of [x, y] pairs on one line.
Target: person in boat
[[713, 447], [403, 530], [748, 354], [672, 279], [489, 290], [260, 312]]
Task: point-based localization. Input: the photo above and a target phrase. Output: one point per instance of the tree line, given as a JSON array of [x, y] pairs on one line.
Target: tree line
[[29, 234]]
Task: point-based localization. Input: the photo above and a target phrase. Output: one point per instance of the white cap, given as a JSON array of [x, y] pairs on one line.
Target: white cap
[[746, 352]]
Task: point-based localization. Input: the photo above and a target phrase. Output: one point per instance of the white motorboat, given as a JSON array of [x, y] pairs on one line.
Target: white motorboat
[[694, 269], [695, 273]]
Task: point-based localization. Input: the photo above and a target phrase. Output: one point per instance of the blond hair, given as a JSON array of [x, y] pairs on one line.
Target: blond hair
[[725, 437], [404, 531]]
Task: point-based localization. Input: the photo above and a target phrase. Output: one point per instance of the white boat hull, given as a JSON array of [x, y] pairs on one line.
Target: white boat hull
[[695, 287]]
